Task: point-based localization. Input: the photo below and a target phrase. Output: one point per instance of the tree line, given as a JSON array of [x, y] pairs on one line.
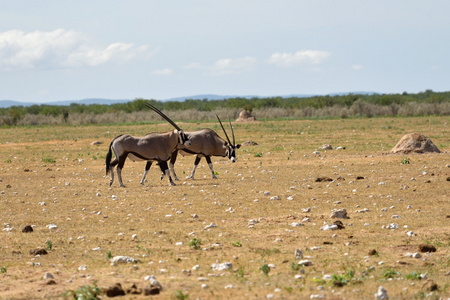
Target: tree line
[[15, 113]]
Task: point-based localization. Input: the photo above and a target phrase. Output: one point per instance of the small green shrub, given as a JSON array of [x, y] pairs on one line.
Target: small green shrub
[[49, 244], [265, 269], [237, 244], [258, 154], [179, 295], [195, 243], [390, 273], [3, 269], [86, 292], [405, 161]]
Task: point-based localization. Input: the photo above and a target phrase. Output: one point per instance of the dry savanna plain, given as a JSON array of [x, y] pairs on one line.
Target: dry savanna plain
[[234, 237]]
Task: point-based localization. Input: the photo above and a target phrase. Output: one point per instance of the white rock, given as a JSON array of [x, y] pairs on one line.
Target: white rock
[[306, 210], [222, 266], [410, 234], [48, 275], [339, 213], [392, 226], [51, 226], [134, 237], [212, 225], [298, 276], [318, 296], [298, 254], [123, 259], [153, 281], [395, 217], [114, 197], [205, 286], [275, 198], [381, 294], [305, 262], [296, 224], [329, 227], [82, 268], [97, 249]]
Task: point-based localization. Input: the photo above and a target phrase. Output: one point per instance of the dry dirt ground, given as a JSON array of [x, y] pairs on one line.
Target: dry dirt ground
[[53, 179]]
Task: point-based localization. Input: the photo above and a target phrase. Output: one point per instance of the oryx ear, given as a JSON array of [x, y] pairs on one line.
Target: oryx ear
[[238, 146]]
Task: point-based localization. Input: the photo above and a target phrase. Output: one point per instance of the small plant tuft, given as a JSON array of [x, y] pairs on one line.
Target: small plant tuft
[[390, 273], [3, 269], [195, 243], [258, 154], [179, 295], [265, 269], [49, 244], [86, 292], [237, 244], [405, 161], [108, 255]]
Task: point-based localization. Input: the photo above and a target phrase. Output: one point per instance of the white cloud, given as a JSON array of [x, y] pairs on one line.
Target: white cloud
[[163, 72], [357, 67], [309, 57], [60, 49], [227, 66]]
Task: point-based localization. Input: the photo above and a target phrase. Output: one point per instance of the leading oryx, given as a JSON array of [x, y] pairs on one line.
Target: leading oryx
[[204, 143], [152, 147]]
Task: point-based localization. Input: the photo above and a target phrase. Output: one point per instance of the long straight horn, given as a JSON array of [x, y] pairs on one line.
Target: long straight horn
[[223, 130], [232, 132], [162, 115]]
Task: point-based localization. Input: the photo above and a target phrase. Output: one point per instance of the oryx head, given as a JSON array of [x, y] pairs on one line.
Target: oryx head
[[183, 139], [231, 147]]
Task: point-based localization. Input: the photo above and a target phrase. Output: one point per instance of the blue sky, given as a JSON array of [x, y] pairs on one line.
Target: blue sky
[[67, 50]]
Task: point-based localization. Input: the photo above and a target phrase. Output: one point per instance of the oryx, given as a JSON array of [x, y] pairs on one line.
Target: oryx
[[204, 143], [151, 147]]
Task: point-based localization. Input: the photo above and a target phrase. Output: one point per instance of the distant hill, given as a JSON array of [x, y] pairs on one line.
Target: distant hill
[[9, 103]]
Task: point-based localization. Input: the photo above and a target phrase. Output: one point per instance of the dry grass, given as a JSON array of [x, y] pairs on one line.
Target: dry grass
[[57, 165]]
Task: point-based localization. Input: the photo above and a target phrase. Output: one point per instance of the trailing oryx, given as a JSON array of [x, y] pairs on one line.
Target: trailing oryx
[[204, 143], [152, 147]]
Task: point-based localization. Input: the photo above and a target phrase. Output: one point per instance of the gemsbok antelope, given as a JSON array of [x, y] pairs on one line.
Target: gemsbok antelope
[[204, 143], [151, 147]]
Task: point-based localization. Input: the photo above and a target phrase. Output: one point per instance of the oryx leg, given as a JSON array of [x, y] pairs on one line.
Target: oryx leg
[[173, 158], [119, 169], [197, 160], [208, 160], [163, 165], [111, 166], [147, 167]]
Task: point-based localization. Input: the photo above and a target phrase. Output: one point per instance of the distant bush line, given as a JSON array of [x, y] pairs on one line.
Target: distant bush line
[[343, 106]]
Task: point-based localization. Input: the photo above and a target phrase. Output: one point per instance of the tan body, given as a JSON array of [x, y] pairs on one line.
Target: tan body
[[152, 147], [204, 143]]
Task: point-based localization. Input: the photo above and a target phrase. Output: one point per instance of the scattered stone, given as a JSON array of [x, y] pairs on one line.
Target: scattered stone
[[48, 275], [298, 254], [94, 143], [275, 198], [249, 143], [329, 227], [381, 294], [339, 224], [212, 225], [153, 281], [115, 290], [410, 234], [430, 286], [27, 228], [50, 282], [339, 213], [415, 143], [305, 262], [151, 290], [373, 252], [38, 251], [426, 248], [413, 255], [322, 179], [123, 259], [359, 177], [326, 147], [222, 266]]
